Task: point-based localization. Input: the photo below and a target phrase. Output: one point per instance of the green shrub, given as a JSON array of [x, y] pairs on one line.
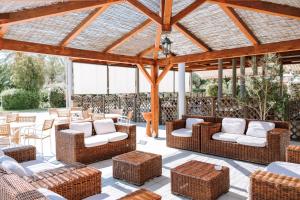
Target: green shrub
[[57, 97], [212, 90], [19, 99], [44, 96]]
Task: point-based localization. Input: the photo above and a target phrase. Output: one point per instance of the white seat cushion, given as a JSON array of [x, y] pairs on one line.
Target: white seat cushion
[[190, 121], [117, 136], [252, 141], [233, 125], [259, 128], [85, 127], [284, 168], [50, 195], [104, 126], [183, 132], [227, 137], [95, 140], [11, 165], [39, 165]]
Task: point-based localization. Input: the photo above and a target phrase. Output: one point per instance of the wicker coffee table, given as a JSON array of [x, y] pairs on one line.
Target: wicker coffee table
[[199, 180], [137, 167], [141, 194]]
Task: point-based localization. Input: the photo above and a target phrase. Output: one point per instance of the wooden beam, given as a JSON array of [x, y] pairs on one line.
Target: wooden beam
[[199, 43], [263, 7], [146, 51], [70, 52], [155, 101], [142, 8], [163, 73], [145, 73], [105, 63], [157, 43], [3, 30], [84, 24], [240, 24], [277, 47], [186, 11], [167, 15], [129, 35], [54, 10]]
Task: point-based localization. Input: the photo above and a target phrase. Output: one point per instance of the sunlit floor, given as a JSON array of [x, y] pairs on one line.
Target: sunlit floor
[[114, 189]]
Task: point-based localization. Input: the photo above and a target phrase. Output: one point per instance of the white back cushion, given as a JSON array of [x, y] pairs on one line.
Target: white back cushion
[[259, 128], [104, 126], [11, 165], [85, 127], [233, 125], [190, 121]]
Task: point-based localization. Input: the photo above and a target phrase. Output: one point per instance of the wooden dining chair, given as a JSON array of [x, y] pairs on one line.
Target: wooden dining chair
[[5, 136], [126, 119], [26, 119], [12, 118], [40, 133]]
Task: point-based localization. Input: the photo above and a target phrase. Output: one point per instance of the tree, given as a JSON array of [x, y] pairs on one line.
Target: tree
[[263, 91], [5, 74], [54, 69], [198, 83], [28, 72]]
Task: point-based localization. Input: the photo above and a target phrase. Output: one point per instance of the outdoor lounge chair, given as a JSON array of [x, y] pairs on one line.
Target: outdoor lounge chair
[[88, 142], [73, 182]]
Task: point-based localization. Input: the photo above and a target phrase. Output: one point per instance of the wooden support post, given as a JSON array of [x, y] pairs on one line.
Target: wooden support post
[[242, 77], [234, 77], [220, 79], [155, 101], [254, 66]]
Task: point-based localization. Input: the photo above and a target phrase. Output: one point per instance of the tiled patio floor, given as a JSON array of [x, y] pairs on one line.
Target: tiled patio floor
[[113, 188]]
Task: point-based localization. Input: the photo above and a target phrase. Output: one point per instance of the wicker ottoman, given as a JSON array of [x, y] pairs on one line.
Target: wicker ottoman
[[137, 167], [293, 154], [141, 194], [199, 180]]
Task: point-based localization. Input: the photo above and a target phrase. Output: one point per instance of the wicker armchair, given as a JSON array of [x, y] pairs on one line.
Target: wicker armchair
[[72, 181], [277, 142], [188, 143], [70, 145]]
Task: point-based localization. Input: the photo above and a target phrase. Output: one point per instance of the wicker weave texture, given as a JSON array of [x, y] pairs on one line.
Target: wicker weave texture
[[21, 153], [268, 186], [141, 194], [137, 167], [293, 154], [70, 145], [198, 180]]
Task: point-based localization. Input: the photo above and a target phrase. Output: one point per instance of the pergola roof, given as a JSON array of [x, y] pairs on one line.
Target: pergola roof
[[205, 29]]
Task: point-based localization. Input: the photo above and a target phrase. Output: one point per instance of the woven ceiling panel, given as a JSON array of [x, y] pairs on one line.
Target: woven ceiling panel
[[15, 5], [111, 25], [138, 42], [295, 3], [270, 28], [215, 28], [153, 5], [50, 30], [179, 5]]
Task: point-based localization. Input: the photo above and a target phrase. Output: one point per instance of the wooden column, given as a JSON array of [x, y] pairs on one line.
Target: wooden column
[[155, 101], [254, 66], [233, 77], [220, 79], [242, 77], [137, 80]]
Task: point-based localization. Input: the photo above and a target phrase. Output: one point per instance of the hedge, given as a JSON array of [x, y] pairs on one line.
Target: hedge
[[57, 97], [19, 99]]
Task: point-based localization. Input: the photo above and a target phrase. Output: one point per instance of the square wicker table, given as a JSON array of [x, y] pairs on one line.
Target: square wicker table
[[293, 154], [141, 194], [199, 180], [137, 167]]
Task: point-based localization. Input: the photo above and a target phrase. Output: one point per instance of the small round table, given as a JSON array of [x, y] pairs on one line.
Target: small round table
[[148, 116]]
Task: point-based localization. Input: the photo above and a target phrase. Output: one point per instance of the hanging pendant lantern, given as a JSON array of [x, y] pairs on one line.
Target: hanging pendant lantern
[[166, 46]]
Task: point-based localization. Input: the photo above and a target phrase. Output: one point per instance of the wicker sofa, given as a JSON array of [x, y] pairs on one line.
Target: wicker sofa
[[73, 182], [193, 141], [71, 146], [277, 140], [273, 182]]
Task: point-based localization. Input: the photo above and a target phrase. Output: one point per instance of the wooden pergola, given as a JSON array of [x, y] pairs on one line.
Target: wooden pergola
[[128, 33]]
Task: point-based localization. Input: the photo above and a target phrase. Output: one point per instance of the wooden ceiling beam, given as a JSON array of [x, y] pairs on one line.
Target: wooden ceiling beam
[[145, 73], [163, 73], [157, 43], [142, 8], [54, 10], [84, 24], [129, 35], [146, 51], [263, 7], [70, 52], [199, 43], [193, 6], [97, 62], [167, 14], [277, 47], [240, 24]]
